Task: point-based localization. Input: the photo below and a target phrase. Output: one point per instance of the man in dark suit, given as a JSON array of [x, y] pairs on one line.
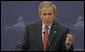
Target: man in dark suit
[[46, 35]]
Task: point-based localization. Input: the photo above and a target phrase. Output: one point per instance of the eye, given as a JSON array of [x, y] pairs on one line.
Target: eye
[[44, 14], [49, 13]]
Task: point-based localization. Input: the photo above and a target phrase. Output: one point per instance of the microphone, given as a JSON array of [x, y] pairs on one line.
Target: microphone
[[46, 38]]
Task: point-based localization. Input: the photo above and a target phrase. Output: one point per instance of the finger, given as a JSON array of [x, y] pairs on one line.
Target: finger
[[70, 39], [67, 38], [70, 36], [67, 41]]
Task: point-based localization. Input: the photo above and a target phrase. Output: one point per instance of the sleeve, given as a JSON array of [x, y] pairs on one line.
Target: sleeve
[[67, 46], [24, 44], [63, 46]]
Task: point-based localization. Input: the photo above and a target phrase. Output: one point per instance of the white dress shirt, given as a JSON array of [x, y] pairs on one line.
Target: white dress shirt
[[43, 30]]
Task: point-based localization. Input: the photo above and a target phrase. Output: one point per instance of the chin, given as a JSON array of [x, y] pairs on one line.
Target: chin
[[47, 24]]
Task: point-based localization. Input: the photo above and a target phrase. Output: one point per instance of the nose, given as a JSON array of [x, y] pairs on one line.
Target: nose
[[47, 17]]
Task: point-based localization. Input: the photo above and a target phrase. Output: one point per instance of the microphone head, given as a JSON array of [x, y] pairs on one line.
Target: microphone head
[[43, 32]]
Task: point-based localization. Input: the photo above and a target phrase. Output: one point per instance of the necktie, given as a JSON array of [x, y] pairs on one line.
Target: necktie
[[45, 37]]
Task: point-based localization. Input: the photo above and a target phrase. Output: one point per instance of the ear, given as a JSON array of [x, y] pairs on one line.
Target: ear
[[39, 15], [55, 14]]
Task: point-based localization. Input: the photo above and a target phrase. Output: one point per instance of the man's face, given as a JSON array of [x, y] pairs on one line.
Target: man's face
[[47, 16]]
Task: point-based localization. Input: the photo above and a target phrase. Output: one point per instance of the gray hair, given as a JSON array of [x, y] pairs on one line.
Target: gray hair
[[47, 4]]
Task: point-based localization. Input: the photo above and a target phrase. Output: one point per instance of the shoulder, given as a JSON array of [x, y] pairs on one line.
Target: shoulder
[[33, 24], [58, 25], [61, 29]]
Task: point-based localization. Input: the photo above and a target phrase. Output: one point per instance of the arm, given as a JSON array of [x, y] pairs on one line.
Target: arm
[[64, 46], [24, 44]]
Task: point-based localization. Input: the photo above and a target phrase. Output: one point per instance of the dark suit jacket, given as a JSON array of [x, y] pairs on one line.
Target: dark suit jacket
[[32, 39]]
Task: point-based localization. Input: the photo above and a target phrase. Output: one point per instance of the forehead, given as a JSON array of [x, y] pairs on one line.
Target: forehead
[[47, 9]]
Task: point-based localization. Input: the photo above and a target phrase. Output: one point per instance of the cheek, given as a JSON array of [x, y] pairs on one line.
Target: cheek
[[52, 18], [42, 18]]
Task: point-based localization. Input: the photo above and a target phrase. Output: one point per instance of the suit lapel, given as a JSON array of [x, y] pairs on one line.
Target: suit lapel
[[36, 37], [52, 35], [39, 35]]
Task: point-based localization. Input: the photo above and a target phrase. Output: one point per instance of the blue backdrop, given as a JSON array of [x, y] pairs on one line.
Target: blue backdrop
[[16, 14]]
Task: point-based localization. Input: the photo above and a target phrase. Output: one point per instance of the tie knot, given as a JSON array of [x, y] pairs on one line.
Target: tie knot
[[46, 27]]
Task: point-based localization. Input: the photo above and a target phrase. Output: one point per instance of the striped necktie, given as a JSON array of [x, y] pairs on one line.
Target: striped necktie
[[45, 37]]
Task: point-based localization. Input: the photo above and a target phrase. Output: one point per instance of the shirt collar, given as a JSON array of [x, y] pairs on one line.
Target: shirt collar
[[43, 26]]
